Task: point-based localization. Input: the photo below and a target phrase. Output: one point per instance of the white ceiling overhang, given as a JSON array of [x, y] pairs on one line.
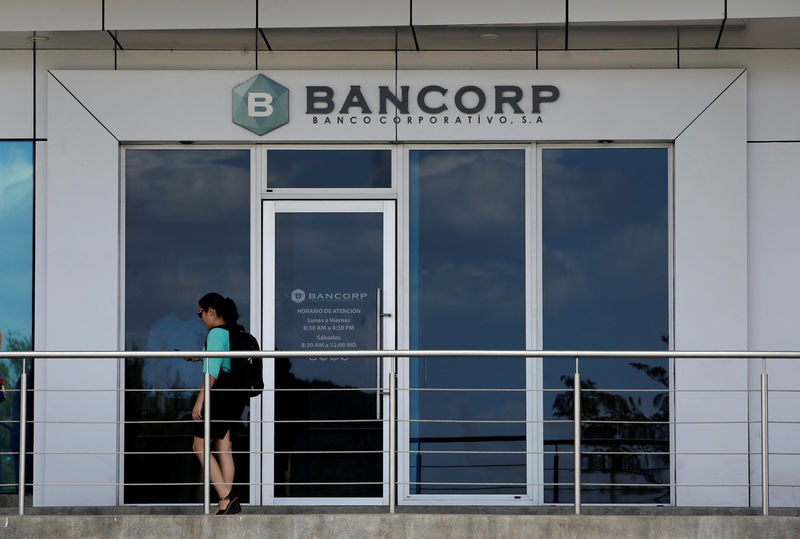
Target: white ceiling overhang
[[592, 105]]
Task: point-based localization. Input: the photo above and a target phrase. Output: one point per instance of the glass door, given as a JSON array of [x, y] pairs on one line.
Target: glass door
[[329, 284]]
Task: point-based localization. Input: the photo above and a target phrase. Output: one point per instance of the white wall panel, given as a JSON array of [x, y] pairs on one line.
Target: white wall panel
[[16, 94], [593, 36], [53, 59], [325, 60], [129, 59], [321, 13], [466, 60], [179, 14], [774, 256], [631, 59], [81, 308], [710, 200], [773, 83], [51, 15], [711, 227], [439, 12], [644, 10], [745, 9]]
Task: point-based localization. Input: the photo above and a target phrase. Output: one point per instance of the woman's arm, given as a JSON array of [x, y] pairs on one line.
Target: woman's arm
[[197, 411], [216, 341]]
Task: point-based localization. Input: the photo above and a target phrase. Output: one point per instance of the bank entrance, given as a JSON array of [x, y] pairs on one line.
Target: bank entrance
[[428, 247], [329, 285]]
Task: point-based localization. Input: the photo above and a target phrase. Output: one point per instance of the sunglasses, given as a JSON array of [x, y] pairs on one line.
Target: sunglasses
[[200, 314]]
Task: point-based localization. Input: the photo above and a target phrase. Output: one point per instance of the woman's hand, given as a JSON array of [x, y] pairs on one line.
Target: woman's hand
[[197, 411], [193, 359]]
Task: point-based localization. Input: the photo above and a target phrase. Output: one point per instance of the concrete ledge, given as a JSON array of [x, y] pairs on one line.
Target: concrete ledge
[[399, 525]]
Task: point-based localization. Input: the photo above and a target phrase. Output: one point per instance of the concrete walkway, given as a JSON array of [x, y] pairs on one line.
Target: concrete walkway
[[415, 526]]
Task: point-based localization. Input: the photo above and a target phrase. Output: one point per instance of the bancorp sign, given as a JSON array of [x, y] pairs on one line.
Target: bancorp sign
[[260, 104], [432, 100]]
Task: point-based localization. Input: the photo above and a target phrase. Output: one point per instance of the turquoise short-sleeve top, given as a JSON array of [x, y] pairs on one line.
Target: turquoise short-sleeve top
[[218, 340]]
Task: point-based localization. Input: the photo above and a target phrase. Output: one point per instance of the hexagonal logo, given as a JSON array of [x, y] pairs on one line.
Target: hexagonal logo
[[260, 105]]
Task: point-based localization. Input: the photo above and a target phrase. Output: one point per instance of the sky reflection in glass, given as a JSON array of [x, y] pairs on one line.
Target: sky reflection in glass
[[317, 169], [16, 289], [605, 261], [467, 276]]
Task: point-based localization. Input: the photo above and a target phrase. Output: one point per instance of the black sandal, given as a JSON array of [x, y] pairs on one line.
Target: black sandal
[[233, 507], [221, 511]]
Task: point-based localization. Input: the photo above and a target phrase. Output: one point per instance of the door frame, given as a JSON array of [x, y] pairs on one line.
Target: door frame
[[388, 328]]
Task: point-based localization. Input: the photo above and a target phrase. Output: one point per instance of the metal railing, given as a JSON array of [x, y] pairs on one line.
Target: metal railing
[[391, 420]]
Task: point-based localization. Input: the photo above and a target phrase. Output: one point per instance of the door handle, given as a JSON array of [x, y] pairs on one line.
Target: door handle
[[379, 316]]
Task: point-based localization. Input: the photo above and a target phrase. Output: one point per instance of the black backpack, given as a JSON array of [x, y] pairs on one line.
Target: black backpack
[[246, 372]]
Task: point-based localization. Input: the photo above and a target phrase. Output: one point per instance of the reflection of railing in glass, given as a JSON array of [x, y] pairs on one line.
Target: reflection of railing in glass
[[624, 436], [11, 370]]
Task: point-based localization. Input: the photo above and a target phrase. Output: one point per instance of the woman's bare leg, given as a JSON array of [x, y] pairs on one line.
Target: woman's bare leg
[[224, 447], [217, 478]]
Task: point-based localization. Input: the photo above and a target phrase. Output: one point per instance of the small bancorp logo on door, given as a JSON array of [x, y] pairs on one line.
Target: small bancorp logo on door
[[260, 105], [298, 295]]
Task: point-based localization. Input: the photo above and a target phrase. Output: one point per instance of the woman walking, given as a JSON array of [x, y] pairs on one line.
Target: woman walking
[[217, 312]]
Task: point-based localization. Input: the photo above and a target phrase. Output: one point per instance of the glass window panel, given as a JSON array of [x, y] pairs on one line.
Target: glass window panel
[[318, 169], [605, 261], [16, 293], [187, 232], [467, 276]]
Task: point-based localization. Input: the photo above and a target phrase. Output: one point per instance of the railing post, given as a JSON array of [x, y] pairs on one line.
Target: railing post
[[577, 424], [206, 441], [23, 423], [764, 441], [392, 435]]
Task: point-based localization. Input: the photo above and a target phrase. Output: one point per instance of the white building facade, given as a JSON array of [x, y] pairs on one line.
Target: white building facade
[[566, 175]]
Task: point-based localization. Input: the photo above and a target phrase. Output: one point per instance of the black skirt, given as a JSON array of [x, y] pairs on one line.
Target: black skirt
[[226, 409]]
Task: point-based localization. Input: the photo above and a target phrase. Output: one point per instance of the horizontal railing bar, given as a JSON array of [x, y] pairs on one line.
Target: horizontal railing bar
[[192, 421], [571, 354], [187, 390], [405, 389], [176, 484], [583, 484], [438, 389], [409, 452], [190, 452], [384, 420], [426, 483], [529, 421]]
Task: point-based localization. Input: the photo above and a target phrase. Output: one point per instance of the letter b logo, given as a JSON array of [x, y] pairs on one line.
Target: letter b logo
[[259, 104]]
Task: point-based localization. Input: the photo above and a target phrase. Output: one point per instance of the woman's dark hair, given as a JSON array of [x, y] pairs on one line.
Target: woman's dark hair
[[225, 307]]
